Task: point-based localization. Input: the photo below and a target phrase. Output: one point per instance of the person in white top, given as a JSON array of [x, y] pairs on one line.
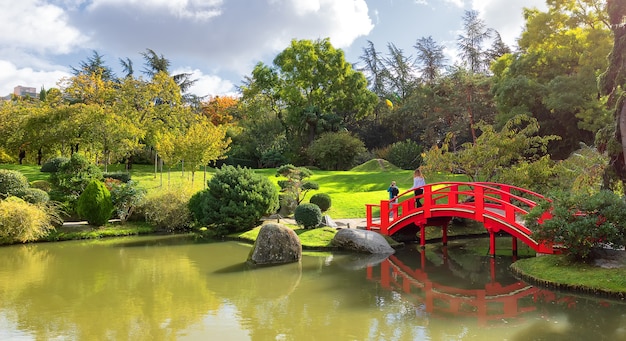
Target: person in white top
[[418, 183]]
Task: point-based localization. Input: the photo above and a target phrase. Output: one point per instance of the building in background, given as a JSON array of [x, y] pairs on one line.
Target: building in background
[[25, 91]]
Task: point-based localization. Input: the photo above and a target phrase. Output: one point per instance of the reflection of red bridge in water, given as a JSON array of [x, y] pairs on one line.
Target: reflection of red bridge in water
[[498, 207], [492, 304]]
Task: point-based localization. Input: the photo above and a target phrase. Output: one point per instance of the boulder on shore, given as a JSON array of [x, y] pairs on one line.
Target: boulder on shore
[[275, 244], [362, 241]]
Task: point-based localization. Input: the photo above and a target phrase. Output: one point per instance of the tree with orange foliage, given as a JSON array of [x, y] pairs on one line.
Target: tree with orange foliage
[[219, 109]]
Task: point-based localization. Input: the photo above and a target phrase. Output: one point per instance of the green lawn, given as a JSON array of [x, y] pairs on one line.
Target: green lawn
[[349, 190], [563, 273]]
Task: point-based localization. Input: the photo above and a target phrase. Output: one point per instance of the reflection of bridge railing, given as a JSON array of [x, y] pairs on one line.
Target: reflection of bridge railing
[[498, 207], [493, 303]]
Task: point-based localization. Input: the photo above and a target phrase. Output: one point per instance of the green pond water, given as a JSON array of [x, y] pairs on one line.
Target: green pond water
[[170, 288]]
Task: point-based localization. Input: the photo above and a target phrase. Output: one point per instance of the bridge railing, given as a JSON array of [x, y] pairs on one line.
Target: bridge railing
[[484, 199]]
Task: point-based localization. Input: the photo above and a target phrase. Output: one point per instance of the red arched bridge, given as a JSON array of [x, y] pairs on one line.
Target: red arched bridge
[[499, 207]]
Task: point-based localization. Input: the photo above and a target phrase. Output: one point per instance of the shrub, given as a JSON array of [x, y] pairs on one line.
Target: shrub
[[12, 183], [22, 222], [53, 165], [322, 200], [335, 151], [95, 204], [5, 158], [581, 222], [308, 215], [42, 185], [168, 210], [73, 177], [126, 196], [288, 203], [121, 176], [405, 154], [235, 200], [295, 187], [35, 196]]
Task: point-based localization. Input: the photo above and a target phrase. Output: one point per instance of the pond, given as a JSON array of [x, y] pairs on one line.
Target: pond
[[171, 288]]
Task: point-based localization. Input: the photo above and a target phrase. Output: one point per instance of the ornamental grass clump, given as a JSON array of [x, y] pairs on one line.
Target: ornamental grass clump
[[23, 222]]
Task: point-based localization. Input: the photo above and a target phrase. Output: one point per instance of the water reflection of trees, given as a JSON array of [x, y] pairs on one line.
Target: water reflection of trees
[[135, 291], [64, 291]]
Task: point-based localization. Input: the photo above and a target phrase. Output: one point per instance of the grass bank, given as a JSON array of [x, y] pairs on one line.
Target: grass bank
[[557, 271]]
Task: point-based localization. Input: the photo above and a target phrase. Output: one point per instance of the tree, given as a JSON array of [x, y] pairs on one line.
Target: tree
[[431, 58], [220, 109], [400, 71], [201, 143], [296, 185], [312, 89], [155, 64], [493, 151], [94, 65], [612, 83], [375, 69], [471, 43], [335, 151], [553, 75]]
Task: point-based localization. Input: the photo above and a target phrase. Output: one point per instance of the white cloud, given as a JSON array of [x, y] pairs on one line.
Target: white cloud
[[37, 26], [457, 3], [210, 85], [497, 15], [200, 10], [243, 33], [12, 76]]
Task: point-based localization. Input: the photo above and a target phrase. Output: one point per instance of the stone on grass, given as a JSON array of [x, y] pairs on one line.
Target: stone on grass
[[362, 241], [275, 244]]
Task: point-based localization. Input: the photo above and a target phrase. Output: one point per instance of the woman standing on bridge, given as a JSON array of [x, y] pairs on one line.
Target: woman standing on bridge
[[418, 183]]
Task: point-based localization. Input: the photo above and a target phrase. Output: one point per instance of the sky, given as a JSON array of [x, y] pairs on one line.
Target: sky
[[220, 41]]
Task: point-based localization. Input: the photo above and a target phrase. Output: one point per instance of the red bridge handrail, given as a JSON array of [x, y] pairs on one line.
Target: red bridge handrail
[[497, 206]]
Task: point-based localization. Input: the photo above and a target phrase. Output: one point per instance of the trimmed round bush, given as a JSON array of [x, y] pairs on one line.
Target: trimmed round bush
[[308, 215], [168, 210], [322, 200], [95, 204], [22, 222], [53, 165], [12, 183], [42, 185], [236, 199], [35, 196]]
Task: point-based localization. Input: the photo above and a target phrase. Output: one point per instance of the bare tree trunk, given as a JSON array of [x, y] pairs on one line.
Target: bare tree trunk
[[156, 163]]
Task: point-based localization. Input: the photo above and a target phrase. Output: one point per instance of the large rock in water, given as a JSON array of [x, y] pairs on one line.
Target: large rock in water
[[362, 241], [275, 244]]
